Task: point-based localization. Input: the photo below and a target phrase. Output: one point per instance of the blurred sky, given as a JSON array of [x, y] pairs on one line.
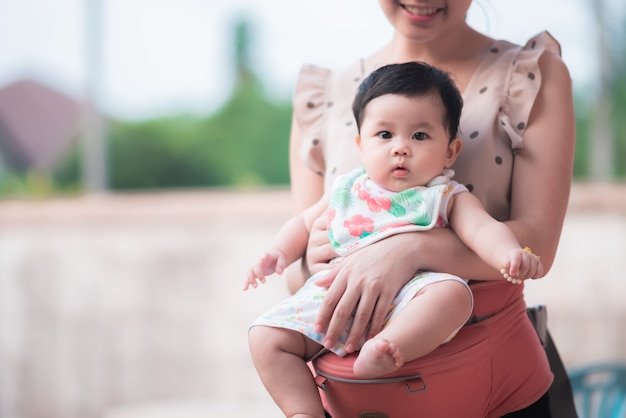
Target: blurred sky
[[164, 56]]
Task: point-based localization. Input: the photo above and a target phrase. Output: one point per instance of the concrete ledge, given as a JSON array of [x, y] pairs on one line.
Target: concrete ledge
[[192, 409]]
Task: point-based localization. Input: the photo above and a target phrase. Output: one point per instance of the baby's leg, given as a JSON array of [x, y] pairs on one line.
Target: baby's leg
[[425, 323], [278, 355]]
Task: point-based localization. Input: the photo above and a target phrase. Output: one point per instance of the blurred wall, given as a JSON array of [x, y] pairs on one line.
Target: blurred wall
[[117, 300]]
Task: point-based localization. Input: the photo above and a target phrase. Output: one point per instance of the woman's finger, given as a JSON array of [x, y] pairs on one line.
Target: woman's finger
[[361, 321], [342, 313], [329, 304], [319, 251], [381, 310]]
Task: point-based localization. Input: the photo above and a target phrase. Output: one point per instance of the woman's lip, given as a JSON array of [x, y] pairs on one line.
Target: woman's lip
[[421, 14]]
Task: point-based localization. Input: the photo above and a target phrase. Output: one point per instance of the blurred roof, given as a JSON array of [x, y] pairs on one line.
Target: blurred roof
[[37, 124]]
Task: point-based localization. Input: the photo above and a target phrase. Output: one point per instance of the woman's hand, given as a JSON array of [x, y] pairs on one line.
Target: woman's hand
[[319, 251], [366, 283]]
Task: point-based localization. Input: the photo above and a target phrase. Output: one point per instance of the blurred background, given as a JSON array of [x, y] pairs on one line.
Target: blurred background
[[144, 166]]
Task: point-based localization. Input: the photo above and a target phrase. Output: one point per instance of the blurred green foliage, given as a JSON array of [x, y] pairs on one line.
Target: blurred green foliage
[[581, 157], [584, 125], [618, 117], [245, 143]]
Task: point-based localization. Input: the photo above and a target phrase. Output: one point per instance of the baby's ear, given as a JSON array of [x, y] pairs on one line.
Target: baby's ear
[[454, 149]]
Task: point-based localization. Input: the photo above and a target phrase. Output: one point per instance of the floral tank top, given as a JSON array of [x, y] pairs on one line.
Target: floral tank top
[[361, 212]]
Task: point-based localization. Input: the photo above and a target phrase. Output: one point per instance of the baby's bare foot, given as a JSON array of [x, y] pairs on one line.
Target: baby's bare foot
[[377, 357]]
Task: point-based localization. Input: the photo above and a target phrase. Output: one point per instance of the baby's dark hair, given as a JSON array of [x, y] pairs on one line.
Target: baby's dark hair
[[411, 79]]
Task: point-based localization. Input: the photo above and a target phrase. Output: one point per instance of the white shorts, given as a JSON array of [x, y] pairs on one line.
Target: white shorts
[[299, 311]]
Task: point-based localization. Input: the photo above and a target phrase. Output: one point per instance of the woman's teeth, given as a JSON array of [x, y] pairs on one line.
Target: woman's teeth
[[421, 11]]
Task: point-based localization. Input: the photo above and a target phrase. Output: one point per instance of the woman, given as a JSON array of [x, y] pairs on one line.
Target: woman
[[518, 128]]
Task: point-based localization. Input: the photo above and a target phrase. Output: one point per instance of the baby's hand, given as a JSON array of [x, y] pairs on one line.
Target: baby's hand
[[272, 262], [521, 264]]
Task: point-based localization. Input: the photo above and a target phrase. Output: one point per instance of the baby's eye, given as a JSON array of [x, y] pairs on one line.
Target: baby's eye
[[384, 135], [420, 136]]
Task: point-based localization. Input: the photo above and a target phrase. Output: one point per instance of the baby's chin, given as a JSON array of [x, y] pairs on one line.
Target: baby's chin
[[395, 184]]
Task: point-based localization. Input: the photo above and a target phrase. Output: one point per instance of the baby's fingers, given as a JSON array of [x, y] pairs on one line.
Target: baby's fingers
[[258, 273], [520, 265], [250, 282], [531, 264], [532, 267], [280, 265], [255, 275], [510, 268]]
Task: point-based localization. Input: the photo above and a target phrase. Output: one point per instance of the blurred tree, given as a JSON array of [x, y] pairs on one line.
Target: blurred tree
[[245, 143], [601, 163], [581, 157], [618, 93], [248, 137], [599, 117], [159, 154], [619, 125]]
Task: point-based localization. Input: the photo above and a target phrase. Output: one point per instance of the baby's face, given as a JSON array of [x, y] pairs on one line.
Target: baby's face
[[403, 141]]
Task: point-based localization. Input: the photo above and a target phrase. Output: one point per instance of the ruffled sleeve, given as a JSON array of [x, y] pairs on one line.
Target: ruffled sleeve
[[524, 84], [309, 112]]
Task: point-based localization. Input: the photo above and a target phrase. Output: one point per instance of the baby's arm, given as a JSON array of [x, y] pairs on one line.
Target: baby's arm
[[493, 241], [289, 245]]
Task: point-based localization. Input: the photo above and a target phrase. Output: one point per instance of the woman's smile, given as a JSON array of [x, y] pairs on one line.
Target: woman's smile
[[421, 13]]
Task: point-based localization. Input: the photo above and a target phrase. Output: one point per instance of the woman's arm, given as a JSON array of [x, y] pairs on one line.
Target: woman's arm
[[307, 187], [369, 279], [543, 168]]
